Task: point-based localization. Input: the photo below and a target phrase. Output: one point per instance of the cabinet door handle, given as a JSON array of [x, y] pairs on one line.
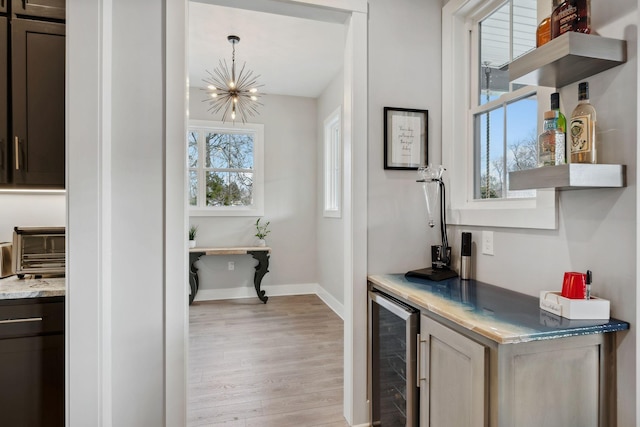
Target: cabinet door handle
[[30, 319], [418, 354], [17, 153], [1, 152], [421, 368]]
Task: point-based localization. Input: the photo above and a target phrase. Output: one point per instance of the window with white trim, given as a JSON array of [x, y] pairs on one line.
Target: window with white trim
[[332, 165], [225, 169], [500, 117]]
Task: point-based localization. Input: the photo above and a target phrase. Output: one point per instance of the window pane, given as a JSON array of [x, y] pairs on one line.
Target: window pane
[[192, 151], [506, 34], [489, 131], [193, 188], [525, 24], [522, 137], [229, 189], [229, 151]]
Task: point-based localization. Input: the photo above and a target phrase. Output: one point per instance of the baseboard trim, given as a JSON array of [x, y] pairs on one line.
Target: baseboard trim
[[273, 290], [330, 301]]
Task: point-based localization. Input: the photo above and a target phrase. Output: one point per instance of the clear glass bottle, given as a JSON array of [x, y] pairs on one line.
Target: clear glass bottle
[[551, 142], [555, 105], [561, 124], [571, 15], [582, 130]]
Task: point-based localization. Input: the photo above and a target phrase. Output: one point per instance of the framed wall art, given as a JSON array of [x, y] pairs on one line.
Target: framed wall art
[[405, 138]]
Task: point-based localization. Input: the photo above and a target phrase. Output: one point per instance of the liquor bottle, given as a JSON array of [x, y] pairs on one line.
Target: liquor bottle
[[551, 143], [543, 32], [582, 129], [555, 105], [571, 15], [561, 125]]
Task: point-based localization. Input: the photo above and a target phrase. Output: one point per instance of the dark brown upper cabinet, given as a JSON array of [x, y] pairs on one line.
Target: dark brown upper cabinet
[[53, 9], [3, 6], [37, 83], [4, 102]]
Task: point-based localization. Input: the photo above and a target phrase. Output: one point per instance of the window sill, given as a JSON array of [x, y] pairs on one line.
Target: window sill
[[231, 211], [534, 213]]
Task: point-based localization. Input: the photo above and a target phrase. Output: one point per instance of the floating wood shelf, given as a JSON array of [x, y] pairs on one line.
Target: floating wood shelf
[[567, 59], [573, 176]]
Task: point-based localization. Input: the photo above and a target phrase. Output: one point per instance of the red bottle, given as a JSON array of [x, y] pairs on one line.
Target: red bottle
[[571, 15]]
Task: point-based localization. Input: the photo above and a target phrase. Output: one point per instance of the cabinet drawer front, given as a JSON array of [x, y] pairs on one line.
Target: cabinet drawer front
[[41, 8], [18, 320]]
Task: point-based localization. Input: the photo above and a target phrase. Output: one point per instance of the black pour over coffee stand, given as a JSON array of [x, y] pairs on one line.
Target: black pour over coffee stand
[[434, 189]]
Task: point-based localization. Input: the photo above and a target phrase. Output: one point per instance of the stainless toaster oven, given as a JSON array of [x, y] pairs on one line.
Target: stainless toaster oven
[[38, 250], [6, 265]]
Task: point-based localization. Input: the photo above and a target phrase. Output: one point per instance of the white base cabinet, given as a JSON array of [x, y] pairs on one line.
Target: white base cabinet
[[453, 379], [467, 380]]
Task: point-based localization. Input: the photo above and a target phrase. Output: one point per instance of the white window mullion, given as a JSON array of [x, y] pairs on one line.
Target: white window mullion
[[202, 182]]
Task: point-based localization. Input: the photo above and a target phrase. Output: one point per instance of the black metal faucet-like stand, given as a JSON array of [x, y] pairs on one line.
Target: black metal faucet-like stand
[[440, 254]]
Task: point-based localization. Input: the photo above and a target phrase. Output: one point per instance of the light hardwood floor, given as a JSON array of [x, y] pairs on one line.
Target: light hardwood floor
[[274, 364]]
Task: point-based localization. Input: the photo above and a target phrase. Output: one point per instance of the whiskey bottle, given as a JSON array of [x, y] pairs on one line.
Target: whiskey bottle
[[582, 129], [543, 32], [571, 15], [551, 144]]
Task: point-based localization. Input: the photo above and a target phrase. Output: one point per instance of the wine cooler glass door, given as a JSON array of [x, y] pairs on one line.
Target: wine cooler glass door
[[393, 334]]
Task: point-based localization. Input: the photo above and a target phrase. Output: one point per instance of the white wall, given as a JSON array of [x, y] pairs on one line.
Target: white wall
[[30, 210], [330, 231], [404, 72], [290, 130]]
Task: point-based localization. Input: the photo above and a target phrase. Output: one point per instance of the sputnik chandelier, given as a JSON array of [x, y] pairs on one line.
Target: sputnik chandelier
[[236, 95]]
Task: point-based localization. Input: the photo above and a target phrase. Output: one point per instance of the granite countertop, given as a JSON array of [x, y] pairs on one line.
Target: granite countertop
[[499, 314], [14, 288]]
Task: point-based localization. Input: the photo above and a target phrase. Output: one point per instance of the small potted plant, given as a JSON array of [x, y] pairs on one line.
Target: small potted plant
[[261, 232], [193, 230]]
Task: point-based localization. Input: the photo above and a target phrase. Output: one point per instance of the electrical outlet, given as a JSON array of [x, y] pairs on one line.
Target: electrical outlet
[[232, 265], [487, 242]]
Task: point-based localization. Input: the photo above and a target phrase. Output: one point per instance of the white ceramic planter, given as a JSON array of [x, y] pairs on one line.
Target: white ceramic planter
[[192, 243]]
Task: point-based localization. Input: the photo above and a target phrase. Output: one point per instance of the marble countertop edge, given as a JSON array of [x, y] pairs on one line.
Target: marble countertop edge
[[13, 287]]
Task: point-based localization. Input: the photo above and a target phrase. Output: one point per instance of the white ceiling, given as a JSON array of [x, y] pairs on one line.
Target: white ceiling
[[293, 56]]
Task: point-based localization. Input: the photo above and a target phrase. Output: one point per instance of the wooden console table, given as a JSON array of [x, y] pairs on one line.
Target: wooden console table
[[260, 253]]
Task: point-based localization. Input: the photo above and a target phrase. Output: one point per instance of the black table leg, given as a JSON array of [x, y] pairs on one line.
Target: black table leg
[[193, 274], [261, 269]]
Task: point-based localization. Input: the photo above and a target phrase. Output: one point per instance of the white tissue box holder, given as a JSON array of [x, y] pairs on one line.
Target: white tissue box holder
[[593, 308]]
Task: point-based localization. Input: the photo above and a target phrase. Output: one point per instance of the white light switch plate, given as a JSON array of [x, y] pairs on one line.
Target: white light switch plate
[[487, 242]]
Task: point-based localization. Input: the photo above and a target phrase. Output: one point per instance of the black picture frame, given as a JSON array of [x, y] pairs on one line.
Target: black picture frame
[[405, 138]]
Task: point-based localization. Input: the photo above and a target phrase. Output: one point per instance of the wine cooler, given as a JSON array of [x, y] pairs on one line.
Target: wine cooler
[[393, 390]]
